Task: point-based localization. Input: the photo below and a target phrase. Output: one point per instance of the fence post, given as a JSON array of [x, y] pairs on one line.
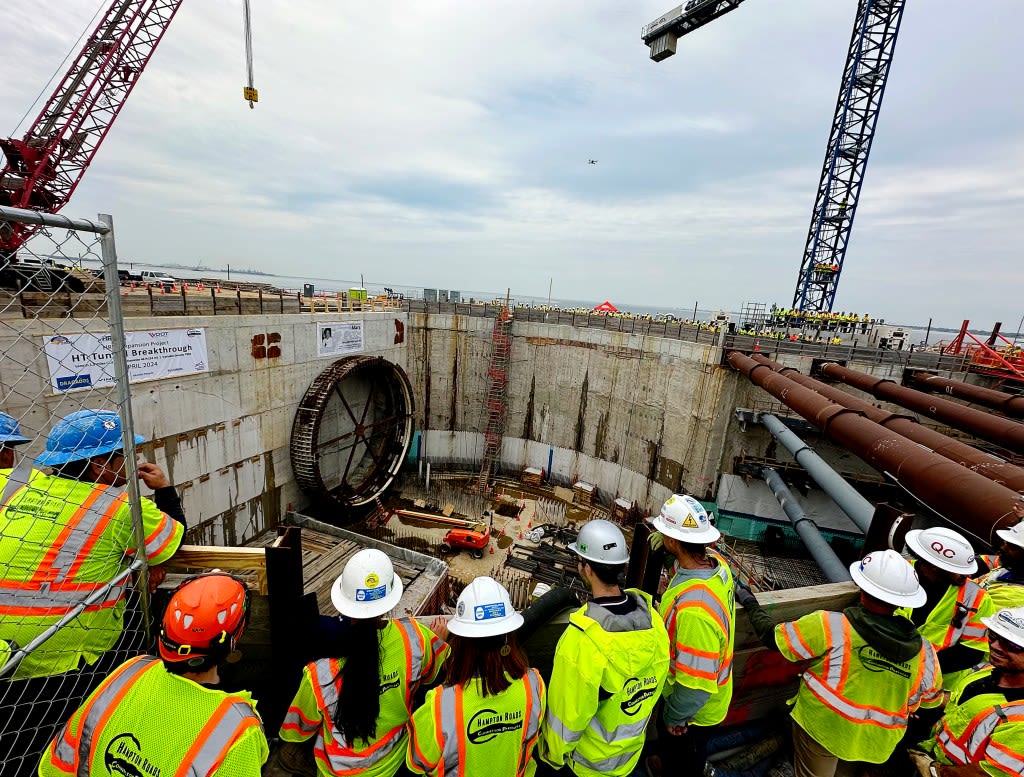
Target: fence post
[[122, 392]]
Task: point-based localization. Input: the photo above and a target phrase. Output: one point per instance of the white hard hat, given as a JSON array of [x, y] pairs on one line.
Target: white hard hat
[[684, 518], [943, 548], [602, 542], [1013, 535], [886, 575], [1008, 624], [484, 609], [368, 586]]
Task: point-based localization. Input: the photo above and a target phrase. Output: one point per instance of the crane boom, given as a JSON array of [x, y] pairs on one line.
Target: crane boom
[[44, 166], [872, 45]]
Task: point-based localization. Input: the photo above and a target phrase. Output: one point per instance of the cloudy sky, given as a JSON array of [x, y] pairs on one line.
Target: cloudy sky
[[445, 144]]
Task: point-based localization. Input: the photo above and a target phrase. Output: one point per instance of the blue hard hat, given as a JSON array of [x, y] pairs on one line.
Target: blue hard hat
[[10, 434], [81, 435]]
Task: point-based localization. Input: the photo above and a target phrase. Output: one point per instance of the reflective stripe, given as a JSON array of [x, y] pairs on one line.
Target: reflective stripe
[[566, 734], [532, 718], [926, 676], [701, 596], [836, 664], [969, 597], [231, 719], [605, 764], [697, 662], [620, 733], [449, 728], [103, 703], [361, 760], [51, 590], [948, 744], [414, 651], [856, 712], [795, 641], [296, 721], [164, 533], [980, 729], [1012, 762]]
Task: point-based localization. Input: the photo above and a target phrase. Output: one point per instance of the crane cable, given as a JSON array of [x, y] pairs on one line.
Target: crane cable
[[249, 93]]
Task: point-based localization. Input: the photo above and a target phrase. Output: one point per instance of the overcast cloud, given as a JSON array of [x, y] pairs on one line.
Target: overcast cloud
[[445, 144]]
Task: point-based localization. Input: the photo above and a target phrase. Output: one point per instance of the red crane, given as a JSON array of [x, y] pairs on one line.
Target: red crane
[[44, 166]]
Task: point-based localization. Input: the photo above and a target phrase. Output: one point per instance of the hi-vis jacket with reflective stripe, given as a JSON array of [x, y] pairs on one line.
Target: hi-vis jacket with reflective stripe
[[411, 654], [607, 676], [460, 733], [144, 720], [1003, 588], [985, 730], [60, 541], [852, 700], [700, 616]]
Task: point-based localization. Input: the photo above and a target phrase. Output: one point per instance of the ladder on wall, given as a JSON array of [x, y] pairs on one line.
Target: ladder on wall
[[497, 387]]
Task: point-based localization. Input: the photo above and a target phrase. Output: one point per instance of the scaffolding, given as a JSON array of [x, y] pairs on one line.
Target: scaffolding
[[497, 388]]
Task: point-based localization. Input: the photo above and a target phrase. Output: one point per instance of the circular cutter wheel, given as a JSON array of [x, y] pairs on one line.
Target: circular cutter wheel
[[352, 430]]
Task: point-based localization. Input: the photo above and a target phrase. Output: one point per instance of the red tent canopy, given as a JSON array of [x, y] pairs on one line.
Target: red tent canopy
[[606, 307]]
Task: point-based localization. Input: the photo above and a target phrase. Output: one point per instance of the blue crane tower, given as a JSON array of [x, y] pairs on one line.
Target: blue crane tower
[[849, 143]]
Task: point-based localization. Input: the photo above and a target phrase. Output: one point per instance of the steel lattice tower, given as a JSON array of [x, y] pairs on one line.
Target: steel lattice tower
[[846, 156]]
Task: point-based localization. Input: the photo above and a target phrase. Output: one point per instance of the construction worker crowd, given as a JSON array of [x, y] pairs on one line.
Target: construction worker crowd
[[927, 667]]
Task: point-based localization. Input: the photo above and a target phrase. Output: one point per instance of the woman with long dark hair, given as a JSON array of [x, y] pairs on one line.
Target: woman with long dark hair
[[485, 718], [358, 703]]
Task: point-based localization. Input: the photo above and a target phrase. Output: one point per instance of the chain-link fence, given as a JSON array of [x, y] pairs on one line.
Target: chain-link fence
[[75, 535]]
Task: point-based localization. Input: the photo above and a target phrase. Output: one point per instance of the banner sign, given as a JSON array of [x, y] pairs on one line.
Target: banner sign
[[338, 339], [85, 361]]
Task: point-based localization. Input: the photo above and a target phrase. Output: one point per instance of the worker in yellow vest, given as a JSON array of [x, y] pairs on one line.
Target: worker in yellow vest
[[164, 716], [1005, 583], [485, 718], [67, 537], [868, 668], [699, 611], [10, 438], [982, 731], [951, 617], [357, 705], [610, 667]]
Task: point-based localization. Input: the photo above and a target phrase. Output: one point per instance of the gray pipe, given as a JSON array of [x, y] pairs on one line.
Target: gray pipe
[[822, 553], [859, 509]]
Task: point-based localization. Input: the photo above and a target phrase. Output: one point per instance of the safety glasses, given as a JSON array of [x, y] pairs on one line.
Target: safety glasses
[[1008, 646]]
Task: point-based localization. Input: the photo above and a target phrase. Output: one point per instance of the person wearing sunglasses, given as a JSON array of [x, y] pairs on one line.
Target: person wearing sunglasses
[[981, 733]]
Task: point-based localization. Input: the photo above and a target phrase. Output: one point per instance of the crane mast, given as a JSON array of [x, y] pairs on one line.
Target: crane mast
[[853, 128], [44, 166]]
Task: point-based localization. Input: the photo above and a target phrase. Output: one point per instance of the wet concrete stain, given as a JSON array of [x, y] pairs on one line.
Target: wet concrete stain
[[528, 422], [581, 416]]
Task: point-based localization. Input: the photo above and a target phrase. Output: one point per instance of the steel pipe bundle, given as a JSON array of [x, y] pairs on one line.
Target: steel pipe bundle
[[1003, 431], [962, 497], [963, 454]]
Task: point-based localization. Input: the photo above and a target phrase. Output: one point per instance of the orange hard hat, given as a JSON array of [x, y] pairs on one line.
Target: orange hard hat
[[204, 619]]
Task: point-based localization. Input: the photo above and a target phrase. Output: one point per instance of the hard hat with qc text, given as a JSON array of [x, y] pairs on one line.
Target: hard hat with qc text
[[82, 435], [484, 609], [368, 586], [943, 548]]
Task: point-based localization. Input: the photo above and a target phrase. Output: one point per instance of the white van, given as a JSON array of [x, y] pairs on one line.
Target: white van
[[156, 278]]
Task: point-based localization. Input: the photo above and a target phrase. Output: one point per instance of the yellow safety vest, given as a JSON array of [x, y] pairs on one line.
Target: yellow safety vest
[[411, 654], [458, 732], [852, 700], [61, 541], [604, 686], [985, 730], [700, 617], [144, 720], [1004, 594]]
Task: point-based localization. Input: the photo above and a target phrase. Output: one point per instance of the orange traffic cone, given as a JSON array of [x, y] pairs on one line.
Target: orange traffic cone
[[491, 551], [520, 535], [529, 524]]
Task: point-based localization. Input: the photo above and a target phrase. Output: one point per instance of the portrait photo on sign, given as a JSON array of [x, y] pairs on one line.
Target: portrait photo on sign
[[337, 338]]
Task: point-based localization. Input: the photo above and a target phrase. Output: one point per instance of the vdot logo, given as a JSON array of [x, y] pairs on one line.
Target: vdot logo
[[637, 691], [487, 724], [124, 756]]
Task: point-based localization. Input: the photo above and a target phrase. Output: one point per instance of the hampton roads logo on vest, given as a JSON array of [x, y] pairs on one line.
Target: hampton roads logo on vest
[[874, 661], [124, 756], [638, 691], [389, 681], [487, 724]]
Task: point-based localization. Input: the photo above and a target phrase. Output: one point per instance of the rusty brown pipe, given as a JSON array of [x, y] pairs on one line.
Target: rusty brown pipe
[[964, 498], [963, 454], [1008, 404], [1002, 431]]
